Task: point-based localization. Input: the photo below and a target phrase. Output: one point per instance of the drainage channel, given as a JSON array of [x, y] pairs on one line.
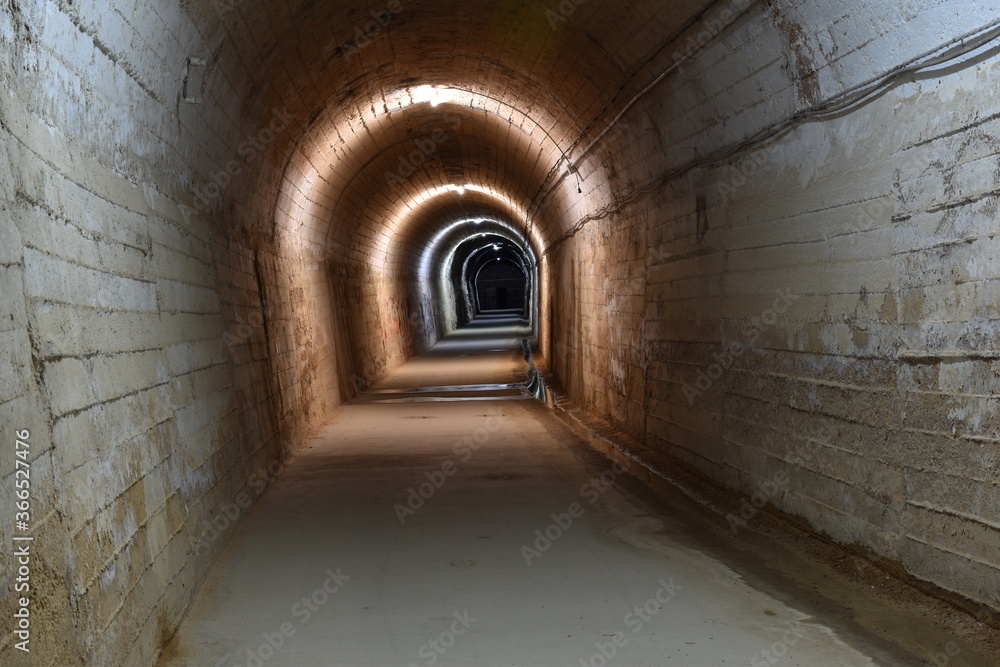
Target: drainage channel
[[449, 388], [448, 393], [535, 385]]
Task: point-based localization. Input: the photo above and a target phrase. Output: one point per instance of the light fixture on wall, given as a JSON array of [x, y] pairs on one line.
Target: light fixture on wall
[[571, 168], [194, 80]]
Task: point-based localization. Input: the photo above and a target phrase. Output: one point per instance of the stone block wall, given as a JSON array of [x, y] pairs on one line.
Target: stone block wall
[[820, 300]]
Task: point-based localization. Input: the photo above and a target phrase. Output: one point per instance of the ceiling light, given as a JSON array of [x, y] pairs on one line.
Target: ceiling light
[[433, 94], [423, 94]]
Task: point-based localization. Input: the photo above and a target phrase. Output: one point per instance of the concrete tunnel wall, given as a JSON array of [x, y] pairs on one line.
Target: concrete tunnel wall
[[214, 213]]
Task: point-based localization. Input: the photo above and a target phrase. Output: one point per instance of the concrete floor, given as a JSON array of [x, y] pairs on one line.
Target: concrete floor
[[424, 528]]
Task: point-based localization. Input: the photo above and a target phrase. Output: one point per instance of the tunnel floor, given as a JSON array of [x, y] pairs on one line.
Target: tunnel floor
[[423, 528]]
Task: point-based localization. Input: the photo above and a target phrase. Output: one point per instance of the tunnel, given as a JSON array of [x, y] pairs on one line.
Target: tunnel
[[498, 287], [529, 332]]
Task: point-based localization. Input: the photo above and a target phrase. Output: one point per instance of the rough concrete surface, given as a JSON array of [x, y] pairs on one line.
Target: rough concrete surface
[[760, 238], [442, 501]]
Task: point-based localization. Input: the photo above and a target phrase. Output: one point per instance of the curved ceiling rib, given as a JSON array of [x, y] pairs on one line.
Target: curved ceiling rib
[[513, 83], [423, 153]]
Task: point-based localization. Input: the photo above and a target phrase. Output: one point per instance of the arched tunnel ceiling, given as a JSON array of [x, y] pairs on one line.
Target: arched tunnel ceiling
[[415, 165], [440, 223], [530, 80]]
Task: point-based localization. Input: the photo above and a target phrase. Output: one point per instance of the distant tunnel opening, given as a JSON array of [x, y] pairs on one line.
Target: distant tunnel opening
[[501, 287], [482, 267]]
